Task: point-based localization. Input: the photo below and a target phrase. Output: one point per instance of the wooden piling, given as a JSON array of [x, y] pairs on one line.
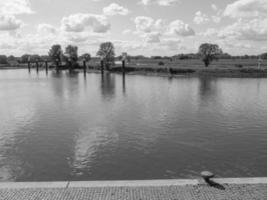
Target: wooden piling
[[29, 66], [84, 66], [57, 66], [37, 66], [46, 66], [102, 66], [123, 66]]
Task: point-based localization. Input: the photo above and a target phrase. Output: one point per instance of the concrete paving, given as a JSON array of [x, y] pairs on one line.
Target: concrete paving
[[218, 189]]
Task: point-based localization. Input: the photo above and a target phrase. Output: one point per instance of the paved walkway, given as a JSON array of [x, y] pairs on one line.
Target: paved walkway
[[220, 189]]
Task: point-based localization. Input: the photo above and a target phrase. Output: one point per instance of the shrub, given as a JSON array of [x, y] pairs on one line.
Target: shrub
[[239, 65], [161, 63]]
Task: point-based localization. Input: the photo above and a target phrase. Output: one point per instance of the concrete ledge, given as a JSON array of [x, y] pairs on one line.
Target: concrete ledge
[[256, 180], [137, 183], [21, 185], [145, 183]]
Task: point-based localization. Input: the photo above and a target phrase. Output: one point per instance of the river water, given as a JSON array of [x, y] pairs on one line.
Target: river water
[[59, 127]]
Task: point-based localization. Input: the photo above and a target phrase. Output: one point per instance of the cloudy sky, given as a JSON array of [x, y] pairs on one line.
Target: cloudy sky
[[148, 27]]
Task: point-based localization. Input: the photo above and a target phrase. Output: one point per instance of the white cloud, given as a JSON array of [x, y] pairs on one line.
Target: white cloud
[[246, 8], [216, 19], [171, 44], [201, 18], [144, 24], [115, 9], [159, 2], [209, 32], [13, 7], [253, 30], [214, 7], [46, 29], [147, 24], [9, 23], [80, 22], [180, 28], [126, 31], [153, 37]]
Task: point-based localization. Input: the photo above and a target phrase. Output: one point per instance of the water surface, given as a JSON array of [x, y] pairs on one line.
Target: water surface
[[59, 127]]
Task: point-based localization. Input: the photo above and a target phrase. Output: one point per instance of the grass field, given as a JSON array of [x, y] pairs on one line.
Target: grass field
[[191, 63], [222, 67], [197, 64]]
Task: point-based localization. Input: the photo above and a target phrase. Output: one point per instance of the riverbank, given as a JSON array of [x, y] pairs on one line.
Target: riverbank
[[220, 189], [194, 72], [227, 72]]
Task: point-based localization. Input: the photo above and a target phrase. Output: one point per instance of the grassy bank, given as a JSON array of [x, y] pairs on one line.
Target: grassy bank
[[221, 68], [216, 72]]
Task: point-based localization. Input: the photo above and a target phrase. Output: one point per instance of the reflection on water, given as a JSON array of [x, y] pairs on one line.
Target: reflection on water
[[108, 85], [207, 87], [123, 83], [70, 127]]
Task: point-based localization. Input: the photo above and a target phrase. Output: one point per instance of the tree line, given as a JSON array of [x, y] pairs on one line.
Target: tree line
[[207, 53]]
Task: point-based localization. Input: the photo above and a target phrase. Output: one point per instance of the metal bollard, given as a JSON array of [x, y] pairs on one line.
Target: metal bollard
[[206, 175]]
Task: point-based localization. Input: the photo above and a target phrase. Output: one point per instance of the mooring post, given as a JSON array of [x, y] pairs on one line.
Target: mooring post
[[206, 175], [102, 66], [259, 62], [123, 66], [46, 67], [57, 65], [70, 65], [29, 64], [84, 66], [37, 66], [124, 57], [123, 83]]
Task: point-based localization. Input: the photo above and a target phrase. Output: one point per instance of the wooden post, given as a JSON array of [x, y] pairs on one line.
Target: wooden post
[[102, 66], [84, 66], [29, 66], [123, 66], [123, 83], [124, 58], [57, 67], [70, 66], [46, 66], [37, 66], [29, 63]]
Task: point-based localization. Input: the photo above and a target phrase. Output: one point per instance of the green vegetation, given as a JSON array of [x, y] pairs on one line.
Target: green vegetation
[[220, 64], [209, 52], [71, 56], [3, 59], [55, 54], [107, 53]]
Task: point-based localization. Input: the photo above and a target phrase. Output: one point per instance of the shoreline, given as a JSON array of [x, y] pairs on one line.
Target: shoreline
[[132, 183], [250, 72], [216, 189]]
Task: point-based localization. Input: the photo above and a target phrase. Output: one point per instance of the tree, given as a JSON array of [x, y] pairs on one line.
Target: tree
[[35, 58], [55, 53], [107, 52], [3, 59], [86, 57], [11, 58], [71, 53], [263, 56], [209, 52], [24, 58]]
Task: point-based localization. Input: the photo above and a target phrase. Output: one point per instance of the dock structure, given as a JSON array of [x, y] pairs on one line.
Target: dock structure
[[221, 189]]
